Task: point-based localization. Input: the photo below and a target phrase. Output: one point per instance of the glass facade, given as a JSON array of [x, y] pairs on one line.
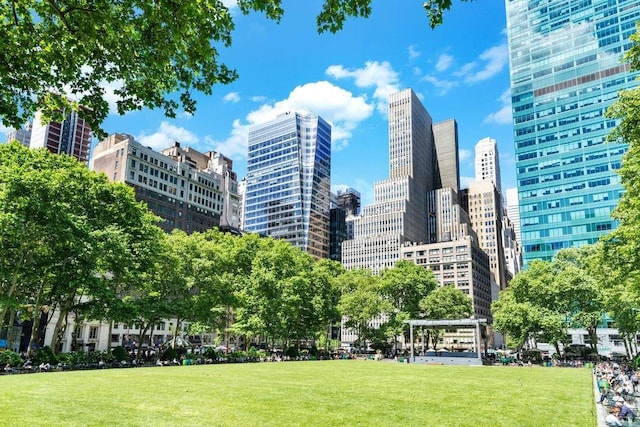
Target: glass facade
[[288, 181], [566, 69]]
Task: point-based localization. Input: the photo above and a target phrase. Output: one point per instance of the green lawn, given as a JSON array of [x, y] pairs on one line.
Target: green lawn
[[329, 393]]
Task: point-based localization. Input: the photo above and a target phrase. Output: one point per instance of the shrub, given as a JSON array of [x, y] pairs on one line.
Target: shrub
[[65, 358], [292, 352], [45, 355], [211, 353], [11, 358], [119, 353], [169, 354]]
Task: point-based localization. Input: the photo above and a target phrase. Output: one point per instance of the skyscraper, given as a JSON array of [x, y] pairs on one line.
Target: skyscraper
[[72, 136], [416, 214], [398, 212], [483, 203], [288, 181], [345, 205], [487, 162], [566, 70], [513, 211]]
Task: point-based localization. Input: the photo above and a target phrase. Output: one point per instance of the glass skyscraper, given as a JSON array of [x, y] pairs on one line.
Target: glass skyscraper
[[288, 181], [566, 69]]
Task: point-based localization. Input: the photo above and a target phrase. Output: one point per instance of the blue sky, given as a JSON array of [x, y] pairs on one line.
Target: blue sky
[[460, 70]]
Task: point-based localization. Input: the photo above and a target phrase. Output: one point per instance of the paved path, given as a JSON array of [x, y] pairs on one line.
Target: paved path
[[601, 411]]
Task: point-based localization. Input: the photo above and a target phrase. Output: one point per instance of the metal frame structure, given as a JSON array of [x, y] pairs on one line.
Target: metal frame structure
[[441, 324]]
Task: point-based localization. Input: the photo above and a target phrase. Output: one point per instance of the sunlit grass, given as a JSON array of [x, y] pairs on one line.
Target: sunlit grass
[[328, 393]]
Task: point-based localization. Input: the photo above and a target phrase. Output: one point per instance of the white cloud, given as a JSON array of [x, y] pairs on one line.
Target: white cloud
[[413, 52], [230, 4], [504, 115], [443, 86], [493, 61], [379, 75], [167, 134], [235, 146], [110, 95], [259, 98], [444, 62], [336, 105], [464, 155], [232, 97]]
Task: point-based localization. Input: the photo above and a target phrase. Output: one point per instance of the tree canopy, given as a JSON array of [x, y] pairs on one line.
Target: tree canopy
[[63, 54]]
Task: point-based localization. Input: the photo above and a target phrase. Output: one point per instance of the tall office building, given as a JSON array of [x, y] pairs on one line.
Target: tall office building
[[398, 212], [487, 162], [447, 167], [242, 190], [482, 201], [345, 205], [189, 190], [512, 254], [288, 181], [513, 211], [72, 136], [566, 70], [416, 214]]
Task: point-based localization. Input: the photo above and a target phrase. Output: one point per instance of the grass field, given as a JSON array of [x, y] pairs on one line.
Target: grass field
[[328, 393]]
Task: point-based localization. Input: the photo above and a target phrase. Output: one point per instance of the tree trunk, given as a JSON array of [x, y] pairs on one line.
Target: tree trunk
[[10, 332], [141, 335], [556, 345], [593, 337], [4, 309], [59, 329], [61, 324], [116, 289], [627, 343], [14, 284]]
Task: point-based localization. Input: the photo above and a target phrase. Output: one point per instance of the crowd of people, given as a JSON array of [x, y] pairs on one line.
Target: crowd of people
[[618, 384]]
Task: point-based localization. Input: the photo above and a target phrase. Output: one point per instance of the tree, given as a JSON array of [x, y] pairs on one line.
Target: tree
[[280, 299], [529, 306], [446, 302], [518, 321], [361, 303], [623, 244], [54, 218], [580, 286], [143, 47], [404, 286]]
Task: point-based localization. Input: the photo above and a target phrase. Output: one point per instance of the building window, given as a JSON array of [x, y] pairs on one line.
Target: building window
[[93, 333]]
